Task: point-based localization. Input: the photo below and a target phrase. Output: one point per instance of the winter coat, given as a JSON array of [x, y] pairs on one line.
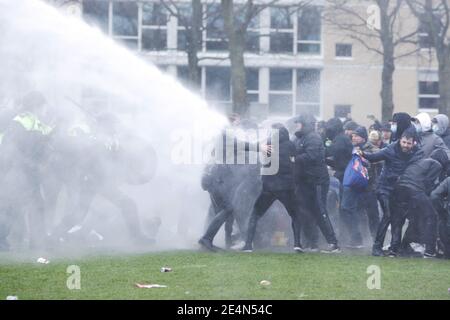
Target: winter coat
[[395, 164], [310, 166], [403, 121], [442, 193], [374, 168], [421, 175], [429, 141], [283, 179], [339, 152]]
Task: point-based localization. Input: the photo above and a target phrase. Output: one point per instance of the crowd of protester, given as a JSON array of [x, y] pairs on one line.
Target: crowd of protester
[[404, 161]]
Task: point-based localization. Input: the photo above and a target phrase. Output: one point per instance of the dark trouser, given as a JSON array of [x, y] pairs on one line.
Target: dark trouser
[[215, 209], [353, 202], [443, 226], [313, 198], [263, 203], [385, 204], [408, 200], [224, 212], [244, 199]]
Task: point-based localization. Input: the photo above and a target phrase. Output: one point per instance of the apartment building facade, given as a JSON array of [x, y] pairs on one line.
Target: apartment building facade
[[295, 61]]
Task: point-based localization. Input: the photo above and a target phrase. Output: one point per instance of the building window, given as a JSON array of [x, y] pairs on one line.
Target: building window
[[252, 78], [342, 111], [309, 31], [343, 50], [154, 27], [96, 13], [218, 84], [308, 91], [215, 29], [280, 92], [125, 23], [428, 95], [185, 12], [281, 30]]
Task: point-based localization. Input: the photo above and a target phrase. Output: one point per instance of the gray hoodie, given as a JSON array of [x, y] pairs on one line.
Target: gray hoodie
[[444, 130], [429, 141]]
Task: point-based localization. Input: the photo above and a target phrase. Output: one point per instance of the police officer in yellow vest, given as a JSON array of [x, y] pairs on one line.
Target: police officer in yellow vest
[[23, 152]]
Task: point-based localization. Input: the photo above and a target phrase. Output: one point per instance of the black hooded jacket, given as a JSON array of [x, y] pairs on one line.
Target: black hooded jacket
[[339, 153], [403, 121], [283, 179], [421, 175], [310, 166]]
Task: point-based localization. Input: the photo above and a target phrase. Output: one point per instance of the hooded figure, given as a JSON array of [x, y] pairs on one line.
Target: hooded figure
[[440, 127], [339, 151], [278, 186], [429, 141], [401, 122], [312, 181], [310, 163]]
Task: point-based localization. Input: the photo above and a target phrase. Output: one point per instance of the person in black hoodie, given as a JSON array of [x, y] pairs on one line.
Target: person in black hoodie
[[401, 121], [339, 147], [312, 180], [397, 156], [338, 153], [277, 186], [440, 198], [412, 195]]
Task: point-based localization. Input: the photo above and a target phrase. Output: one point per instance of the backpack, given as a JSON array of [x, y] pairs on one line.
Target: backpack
[[356, 175]]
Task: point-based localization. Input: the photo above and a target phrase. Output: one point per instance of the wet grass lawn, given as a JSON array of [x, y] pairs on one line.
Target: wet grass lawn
[[198, 275]]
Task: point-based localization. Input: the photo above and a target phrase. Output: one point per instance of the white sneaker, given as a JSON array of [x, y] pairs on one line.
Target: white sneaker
[[299, 249]]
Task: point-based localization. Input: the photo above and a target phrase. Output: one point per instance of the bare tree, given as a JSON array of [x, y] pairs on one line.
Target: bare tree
[[191, 17], [383, 38], [434, 17], [237, 20]]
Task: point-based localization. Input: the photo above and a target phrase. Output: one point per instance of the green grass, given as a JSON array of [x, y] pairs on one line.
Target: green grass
[[199, 275]]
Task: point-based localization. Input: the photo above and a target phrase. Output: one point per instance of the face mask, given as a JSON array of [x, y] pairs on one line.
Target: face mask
[[435, 128], [394, 128], [418, 127]]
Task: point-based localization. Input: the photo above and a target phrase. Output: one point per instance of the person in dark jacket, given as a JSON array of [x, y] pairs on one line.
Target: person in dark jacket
[[440, 198], [312, 180], [386, 134], [221, 179], [349, 128], [356, 200], [397, 156], [339, 147], [440, 127], [401, 121], [278, 185], [412, 195], [216, 180], [338, 153]]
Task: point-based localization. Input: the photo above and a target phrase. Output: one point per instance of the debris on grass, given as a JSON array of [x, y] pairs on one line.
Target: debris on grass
[[265, 283], [149, 286], [166, 269], [42, 260], [12, 298]]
